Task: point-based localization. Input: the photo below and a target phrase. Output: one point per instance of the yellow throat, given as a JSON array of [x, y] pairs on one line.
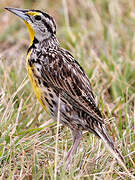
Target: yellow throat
[[30, 29], [31, 32]]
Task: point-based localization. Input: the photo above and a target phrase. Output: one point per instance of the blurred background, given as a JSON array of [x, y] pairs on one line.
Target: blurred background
[[101, 36]]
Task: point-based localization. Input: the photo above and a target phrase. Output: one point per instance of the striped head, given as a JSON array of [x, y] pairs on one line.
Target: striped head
[[40, 25]]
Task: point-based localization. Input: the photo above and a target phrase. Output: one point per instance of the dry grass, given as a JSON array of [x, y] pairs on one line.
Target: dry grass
[[101, 35]]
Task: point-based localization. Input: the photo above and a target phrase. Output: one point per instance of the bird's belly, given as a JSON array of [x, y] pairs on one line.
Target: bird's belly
[[49, 97]]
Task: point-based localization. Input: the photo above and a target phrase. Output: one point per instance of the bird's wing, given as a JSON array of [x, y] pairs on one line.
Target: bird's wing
[[64, 73]]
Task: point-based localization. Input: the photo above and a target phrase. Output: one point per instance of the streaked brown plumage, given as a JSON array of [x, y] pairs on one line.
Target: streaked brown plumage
[[54, 72]]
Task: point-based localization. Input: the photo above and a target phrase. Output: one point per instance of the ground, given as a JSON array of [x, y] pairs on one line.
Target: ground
[[101, 36]]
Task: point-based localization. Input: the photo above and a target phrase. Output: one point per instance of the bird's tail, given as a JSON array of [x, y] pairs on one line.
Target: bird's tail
[[103, 134]]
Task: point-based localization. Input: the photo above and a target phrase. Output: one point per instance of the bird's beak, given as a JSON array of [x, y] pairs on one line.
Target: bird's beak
[[19, 12]]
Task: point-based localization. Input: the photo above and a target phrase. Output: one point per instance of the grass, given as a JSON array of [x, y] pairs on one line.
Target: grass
[[100, 34]]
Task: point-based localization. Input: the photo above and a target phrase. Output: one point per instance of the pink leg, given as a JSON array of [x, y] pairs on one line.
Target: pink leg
[[77, 136]]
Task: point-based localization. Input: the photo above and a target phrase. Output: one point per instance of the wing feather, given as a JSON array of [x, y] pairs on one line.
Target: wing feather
[[66, 75]]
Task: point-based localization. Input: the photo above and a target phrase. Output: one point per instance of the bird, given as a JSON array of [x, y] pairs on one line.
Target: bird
[[56, 75]]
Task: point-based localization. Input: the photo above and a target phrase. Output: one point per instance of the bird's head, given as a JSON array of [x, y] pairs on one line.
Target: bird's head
[[40, 25]]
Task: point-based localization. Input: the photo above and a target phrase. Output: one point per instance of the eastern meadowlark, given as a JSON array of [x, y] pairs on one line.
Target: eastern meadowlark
[[55, 73]]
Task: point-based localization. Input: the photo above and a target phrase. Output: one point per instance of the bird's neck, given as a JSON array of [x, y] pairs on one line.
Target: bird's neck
[[50, 43], [33, 45]]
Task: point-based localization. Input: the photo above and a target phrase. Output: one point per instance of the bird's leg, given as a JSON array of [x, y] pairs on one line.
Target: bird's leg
[[77, 136]]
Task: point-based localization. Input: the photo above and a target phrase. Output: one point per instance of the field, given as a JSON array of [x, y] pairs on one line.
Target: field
[[101, 36]]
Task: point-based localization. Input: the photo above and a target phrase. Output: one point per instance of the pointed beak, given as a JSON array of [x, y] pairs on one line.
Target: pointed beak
[[19, 12]]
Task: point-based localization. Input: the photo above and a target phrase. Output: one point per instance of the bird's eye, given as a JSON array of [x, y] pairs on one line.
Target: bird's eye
[[37, 17]]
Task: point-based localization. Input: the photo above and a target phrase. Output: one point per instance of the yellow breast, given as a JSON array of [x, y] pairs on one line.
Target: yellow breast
[[35, 85]]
